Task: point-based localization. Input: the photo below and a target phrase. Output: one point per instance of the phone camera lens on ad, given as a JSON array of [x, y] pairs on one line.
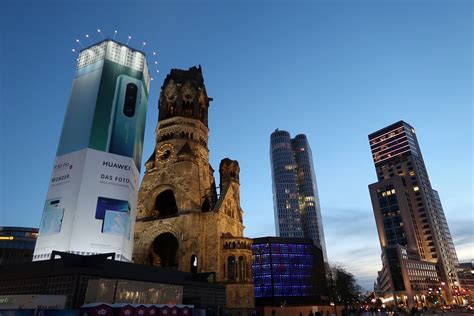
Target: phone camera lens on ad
[[130, 100]]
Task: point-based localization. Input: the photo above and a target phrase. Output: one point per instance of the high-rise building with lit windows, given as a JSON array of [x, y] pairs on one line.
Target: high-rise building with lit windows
[[295, 191], [418, 254]]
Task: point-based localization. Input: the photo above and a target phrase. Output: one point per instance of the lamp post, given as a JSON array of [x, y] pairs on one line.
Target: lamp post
[[443, 292]]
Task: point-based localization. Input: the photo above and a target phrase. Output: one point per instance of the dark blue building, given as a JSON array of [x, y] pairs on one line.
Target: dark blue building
[[288, 270], [17, 244]]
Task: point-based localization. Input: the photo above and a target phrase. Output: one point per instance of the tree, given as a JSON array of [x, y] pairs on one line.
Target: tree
[[343, 289]]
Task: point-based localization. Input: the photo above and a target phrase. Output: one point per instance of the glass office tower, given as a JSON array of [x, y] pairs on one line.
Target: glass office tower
[[295, 192], [412, 228]]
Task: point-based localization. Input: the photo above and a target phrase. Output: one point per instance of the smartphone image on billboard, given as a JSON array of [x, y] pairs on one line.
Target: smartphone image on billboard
[[52, 217], [116, 223], [124, 116], [107, 204]]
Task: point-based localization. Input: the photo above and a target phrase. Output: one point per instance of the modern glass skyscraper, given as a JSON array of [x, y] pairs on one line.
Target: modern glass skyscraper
[[295, 192], [418, 253]]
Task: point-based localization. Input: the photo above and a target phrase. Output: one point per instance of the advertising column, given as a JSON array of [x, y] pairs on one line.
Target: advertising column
[[91, 202]]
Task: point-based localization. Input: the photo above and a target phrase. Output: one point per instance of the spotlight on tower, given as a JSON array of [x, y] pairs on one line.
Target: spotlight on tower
[[79, 42], [129, 38]]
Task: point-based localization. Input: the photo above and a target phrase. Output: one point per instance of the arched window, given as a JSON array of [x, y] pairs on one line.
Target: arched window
[[194, 264], [165, 204], [187, 108], [164, 251], [231, 268], [242, 269], [206, 205]]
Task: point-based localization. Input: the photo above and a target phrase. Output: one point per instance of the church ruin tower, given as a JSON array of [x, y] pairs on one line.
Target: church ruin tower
[[182, 222]]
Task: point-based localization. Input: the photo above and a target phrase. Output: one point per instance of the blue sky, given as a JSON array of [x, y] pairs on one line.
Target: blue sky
[[334, 70]]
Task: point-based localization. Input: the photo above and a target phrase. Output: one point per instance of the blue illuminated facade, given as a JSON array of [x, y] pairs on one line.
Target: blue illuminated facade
[[287, 269]]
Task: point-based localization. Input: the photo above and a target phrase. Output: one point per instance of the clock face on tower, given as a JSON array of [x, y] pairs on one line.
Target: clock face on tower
[[164, 153], [171, 92], [188, 93]]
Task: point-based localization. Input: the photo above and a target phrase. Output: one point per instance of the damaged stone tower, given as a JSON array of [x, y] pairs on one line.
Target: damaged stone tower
[[182, 222]]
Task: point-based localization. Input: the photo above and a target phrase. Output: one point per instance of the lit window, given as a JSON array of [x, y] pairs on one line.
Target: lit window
[[416, 189]]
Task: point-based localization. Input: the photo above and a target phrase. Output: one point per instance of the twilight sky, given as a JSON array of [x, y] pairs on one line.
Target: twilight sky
[[333, 70]]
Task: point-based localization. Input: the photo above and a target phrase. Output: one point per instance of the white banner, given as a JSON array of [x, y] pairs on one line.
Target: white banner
[[90, 207]]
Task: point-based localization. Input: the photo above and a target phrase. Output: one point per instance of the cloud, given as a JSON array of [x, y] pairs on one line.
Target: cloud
[[462, 231], [352, 239]]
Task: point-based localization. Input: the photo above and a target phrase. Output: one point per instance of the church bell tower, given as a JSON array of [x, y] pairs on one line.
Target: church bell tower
[[182, 222]]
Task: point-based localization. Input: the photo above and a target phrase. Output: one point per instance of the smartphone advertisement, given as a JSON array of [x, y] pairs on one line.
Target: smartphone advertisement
[[90, 207]]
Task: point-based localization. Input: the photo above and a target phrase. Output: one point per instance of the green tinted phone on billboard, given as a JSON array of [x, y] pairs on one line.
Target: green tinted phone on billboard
[[91, 201]]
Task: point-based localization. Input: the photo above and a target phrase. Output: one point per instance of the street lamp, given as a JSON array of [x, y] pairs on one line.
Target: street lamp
[[443, 292]]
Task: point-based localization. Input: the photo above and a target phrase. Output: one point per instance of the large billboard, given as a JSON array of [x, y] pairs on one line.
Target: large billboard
[[91, 202]]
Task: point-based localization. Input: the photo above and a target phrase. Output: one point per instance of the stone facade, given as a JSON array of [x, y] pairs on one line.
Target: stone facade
[[182, 222]]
